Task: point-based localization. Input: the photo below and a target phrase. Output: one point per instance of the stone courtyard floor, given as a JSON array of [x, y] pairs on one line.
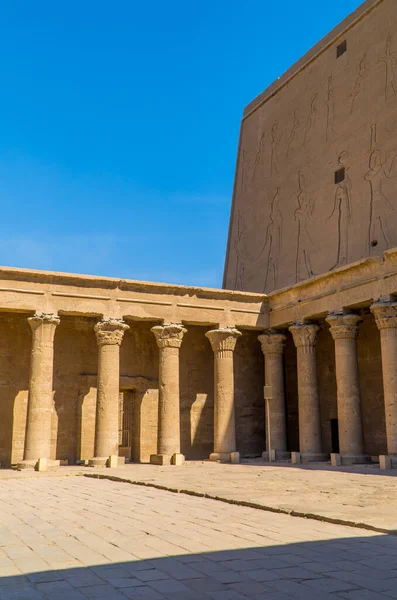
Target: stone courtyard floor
[[70, 538]]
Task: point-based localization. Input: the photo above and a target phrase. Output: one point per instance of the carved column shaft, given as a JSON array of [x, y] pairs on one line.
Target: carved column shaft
[[169, 340], [386, 320], [344, 330], [223, 343], [109, 335], [40, 402], [305, 336], [273, 349]]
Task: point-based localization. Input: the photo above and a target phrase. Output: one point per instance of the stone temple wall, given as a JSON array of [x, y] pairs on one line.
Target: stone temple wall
[[316, 179]]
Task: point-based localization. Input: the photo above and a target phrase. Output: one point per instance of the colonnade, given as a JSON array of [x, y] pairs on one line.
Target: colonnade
[[109, 334]]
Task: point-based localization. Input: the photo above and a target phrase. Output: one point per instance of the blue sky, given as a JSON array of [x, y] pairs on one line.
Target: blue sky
[[119, 124]]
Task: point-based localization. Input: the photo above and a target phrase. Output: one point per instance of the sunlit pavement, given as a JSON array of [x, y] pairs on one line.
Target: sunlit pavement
[[70, 538]]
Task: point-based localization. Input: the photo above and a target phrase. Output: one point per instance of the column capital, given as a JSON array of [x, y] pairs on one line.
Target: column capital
[[223, 339], [169, 335], [40, 318], [304, 334], [385, 314], [272, 341], [110, 332], [343, 326]]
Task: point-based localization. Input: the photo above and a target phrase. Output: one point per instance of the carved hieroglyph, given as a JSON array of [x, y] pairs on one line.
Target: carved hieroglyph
[[314, 128]]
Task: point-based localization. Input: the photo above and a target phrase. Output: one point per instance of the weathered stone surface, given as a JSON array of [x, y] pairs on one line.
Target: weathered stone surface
[[223, 343]]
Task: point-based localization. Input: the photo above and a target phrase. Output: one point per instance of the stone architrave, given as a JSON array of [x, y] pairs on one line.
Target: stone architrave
[[40, 401], [386, 319], [223, 343], [310, 445], [109, 335], [169, 340], [272, 343], [344, 330]]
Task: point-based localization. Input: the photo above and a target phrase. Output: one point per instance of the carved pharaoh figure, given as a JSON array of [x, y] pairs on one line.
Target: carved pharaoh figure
[[273, 243], [389, 59], [343, 210], [304, 242], [330, 130], [359, 83], [380, 206]]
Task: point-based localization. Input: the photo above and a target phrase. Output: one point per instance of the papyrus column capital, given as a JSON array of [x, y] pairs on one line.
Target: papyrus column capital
[[343, 326], [110, 332], [40, 318], [223, 340], [272, 342], [385, 314], [169, 335], [304, 334]]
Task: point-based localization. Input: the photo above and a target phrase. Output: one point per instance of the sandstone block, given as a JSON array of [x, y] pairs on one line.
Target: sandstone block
[[177, 459], [160, 459]]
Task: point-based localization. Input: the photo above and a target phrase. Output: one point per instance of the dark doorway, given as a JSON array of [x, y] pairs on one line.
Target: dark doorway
[[125, 423], [334, 436]]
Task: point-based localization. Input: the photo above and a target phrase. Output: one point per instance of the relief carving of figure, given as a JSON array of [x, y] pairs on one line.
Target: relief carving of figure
[[343, 209], [389, 59], [311, 119], [241, 251], [276, 137], [359, 83], [304, 243], [272, 244], [292, 135], [380, 206], [258, 155], [330, 131]]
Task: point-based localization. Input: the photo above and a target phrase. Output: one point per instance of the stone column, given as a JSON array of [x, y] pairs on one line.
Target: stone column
[[109, 335], [40, 401], [223, 342], [169, 340], [310, 446], [386, 319], [272, 343], [344, 330]]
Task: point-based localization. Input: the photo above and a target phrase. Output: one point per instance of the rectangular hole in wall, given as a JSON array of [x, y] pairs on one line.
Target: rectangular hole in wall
[[341, 48], [340, 175]]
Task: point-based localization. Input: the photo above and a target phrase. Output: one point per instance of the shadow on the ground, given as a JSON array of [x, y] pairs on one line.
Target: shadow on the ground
[[365, 469], [356, 568]]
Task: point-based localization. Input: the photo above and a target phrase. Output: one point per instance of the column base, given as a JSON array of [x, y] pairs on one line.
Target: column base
[[41, 464], [304, 458], [387, 461], [277, 455], [227, 457], [112, 461], [338, 460], [167, 459]]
